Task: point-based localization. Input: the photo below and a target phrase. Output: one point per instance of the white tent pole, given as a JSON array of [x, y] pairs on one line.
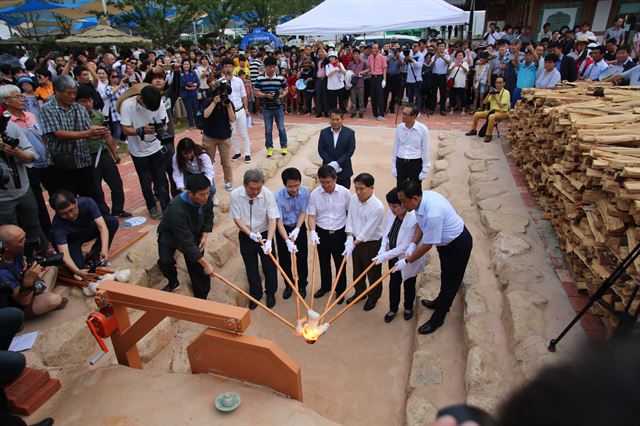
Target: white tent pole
[[104, 7]]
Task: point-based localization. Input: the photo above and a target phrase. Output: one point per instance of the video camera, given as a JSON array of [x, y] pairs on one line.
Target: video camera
[[222, 89], [492, 91], [4, 120], [160, 129]]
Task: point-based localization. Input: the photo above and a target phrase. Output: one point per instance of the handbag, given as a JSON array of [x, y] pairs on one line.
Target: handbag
[[452, 81]]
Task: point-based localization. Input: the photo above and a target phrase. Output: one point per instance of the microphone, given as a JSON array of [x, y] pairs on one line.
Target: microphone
[[250, 202]]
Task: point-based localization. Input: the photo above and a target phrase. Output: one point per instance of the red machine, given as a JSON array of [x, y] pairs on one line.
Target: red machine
[[102, 325]]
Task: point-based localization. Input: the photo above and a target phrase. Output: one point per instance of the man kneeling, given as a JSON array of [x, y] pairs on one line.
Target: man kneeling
[[76, 222], [30, 286], [185, 225]]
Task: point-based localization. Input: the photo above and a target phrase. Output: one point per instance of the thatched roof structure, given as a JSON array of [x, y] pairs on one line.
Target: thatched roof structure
[[16, 40], [103, 34]]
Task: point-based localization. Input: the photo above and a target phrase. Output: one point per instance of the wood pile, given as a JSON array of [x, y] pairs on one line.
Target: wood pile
[[579, 148]]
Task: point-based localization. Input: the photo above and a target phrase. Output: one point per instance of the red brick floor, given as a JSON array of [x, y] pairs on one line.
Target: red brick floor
[[592, 325]]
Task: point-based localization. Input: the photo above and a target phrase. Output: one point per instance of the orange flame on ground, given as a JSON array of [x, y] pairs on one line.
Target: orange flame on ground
[[311, 333]]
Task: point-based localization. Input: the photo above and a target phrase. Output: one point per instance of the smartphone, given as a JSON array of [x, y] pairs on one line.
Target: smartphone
[[166, 67]]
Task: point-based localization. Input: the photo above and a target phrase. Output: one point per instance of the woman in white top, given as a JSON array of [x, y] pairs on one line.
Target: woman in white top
[[103, 82], [335, 80], [190, 159], [458, 72], [399, 231]]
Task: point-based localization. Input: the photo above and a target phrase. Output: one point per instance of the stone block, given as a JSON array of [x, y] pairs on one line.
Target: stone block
[[443, 191], [293, 147], [220, 249], [482, 369], [156, 340], [315, 159], [495, 222], [283, 160], [484, 190], [478, 166], [477, 177], [532, 355], [268, 166], [419, 410], [518, 275], [441, 165], [425, 368], [311, 172], [439, 178], [479, 330], [68, 344], [524, 314], [444, 151], [479, 154], [491, 204], [505, 246]]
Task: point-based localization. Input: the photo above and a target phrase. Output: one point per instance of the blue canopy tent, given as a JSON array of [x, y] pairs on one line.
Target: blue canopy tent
[[259, 36], [28, 8]]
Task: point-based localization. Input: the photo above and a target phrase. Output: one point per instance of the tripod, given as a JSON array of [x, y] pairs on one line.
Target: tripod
[[606, 285]]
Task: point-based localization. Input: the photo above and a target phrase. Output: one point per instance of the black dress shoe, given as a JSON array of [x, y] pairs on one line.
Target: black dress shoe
[[271, 300], [429, 327], [371, 303], [389, 317], [318, 294], [408, 315], [429, 304], [303, 292], [252, 305], [286, 293], [352, 298]]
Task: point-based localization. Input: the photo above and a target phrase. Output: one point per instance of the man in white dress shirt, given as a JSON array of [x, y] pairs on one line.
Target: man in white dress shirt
[[327, 217], [365, 222], [239, 127], [410, 158], [255, 212], [438, 225]]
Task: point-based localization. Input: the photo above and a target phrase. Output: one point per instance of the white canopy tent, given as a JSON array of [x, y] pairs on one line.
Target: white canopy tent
[[367, 16]]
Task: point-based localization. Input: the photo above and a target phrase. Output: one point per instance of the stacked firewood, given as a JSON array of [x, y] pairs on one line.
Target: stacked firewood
[[579, 148]]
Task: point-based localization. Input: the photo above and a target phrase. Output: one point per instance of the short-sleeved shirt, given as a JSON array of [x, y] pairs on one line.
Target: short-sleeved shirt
[[633, 75], [11, 273], [267, 84], [135, 115], [548, 80], [614, 32], [254, 213], [75, 119], [43, 92], [527, 75], [377, 64], [65, 231], [18, 183], [438, 220], [505, 99], [291, 207], [329, 210]]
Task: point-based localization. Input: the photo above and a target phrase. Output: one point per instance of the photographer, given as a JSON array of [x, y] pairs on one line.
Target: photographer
[[158, 79], [216, 133], [394, 64], [143, 119], [499, 100], [413, 62], [76, 222], [31, 286], [17, 202]]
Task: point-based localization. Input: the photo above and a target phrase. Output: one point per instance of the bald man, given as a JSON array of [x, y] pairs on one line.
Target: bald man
[[21, 278]]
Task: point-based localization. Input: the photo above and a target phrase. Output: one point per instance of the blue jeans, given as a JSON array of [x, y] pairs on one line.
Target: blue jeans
[[89, 234], [191, 105], [268, 115]]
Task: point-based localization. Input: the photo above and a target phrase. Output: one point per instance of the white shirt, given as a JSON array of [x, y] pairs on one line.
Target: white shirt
[[365, 221], [135, 115], [438, 220], [439, 64], [588, 35], [595, 70], [336, 135], [257, 213], [416, 65], [192, 167], [329, 210], [411, 143], [237, 92], [105, 98], [335, 78], [548, 80]]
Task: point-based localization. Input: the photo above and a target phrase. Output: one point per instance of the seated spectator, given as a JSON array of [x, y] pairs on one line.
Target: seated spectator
[[25, 281], [192, 159], [550, 76], [599, 65], [76, 222], [499, 101], [185, 227], [632, 76]]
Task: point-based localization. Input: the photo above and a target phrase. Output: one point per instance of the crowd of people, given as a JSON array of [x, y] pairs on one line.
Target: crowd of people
[[65, 116]]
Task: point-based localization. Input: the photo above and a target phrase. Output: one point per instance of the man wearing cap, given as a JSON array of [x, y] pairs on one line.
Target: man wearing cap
[[566, 65], [599, 65], [378, 70]]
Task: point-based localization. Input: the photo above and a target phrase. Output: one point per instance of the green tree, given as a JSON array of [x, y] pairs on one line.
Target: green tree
[[266, 13]]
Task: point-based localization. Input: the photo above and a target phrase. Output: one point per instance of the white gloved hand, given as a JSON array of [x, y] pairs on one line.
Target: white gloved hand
[[381, 258], [255, 237], [384, 83], [293, 235], [266, 248], [348, 248], [291, 247], [402, 264], [422, 175], [412, 247], [394, 173], [335, 165], [314, 238], [349, 239]]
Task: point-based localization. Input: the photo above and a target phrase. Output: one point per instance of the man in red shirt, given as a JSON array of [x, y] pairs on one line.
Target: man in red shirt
[[378, 70]]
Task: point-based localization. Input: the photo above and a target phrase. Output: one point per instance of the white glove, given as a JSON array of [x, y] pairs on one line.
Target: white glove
[[380, 258], [293, 235], [266, 248], [314, 238], [291, 247], [394, 173], [410, 249], [384, 83], [335, 165], [422, 175], [400, 265], [255, 237], [348, 248]]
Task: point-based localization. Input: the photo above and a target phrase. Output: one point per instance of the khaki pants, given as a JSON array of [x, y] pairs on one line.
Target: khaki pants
[[494, 118], [224, 145]]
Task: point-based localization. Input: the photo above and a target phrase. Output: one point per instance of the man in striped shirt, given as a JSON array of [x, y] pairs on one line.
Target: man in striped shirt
[[272, 90], [256, 67]]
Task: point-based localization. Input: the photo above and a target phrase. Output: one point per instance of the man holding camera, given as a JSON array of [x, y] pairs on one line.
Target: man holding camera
[[29, 286], [272, 89], [499, 100], [143, 120], [76, 222], [440, 68], [413, 62]]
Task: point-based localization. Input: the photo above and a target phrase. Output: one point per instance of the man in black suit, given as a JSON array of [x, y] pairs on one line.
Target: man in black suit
[[336, 145], [566, 64]]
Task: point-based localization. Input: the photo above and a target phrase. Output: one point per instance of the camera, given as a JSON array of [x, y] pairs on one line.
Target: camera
[[492, 91], [406, 52], [161, 133], [223, 89], [4, 120], [53, 260], [39, 287]]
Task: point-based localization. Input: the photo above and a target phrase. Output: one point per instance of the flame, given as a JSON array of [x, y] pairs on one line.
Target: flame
[[311, 333]]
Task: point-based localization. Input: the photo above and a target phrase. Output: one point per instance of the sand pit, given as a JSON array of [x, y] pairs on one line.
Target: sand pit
[[362, 371]]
